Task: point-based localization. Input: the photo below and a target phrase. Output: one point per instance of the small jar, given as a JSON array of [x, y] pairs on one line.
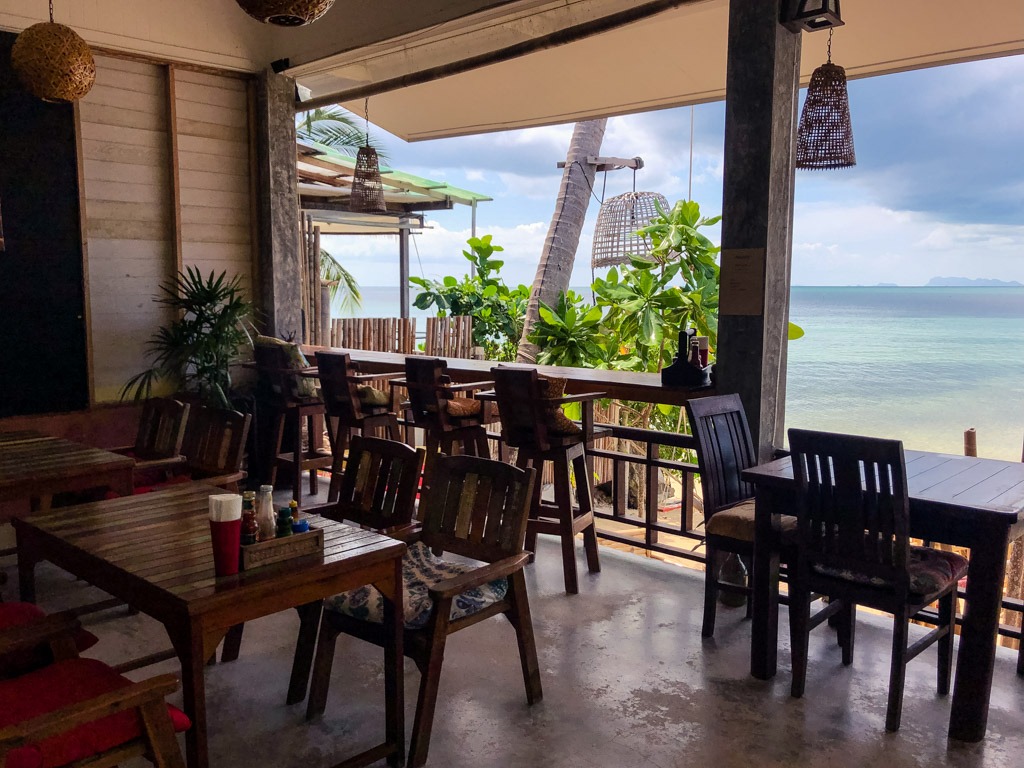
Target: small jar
[[284, 522]]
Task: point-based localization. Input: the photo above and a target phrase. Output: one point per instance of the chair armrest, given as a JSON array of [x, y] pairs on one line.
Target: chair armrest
[[449, 588], [470, 386], [377, 376], [221, 481], [170, 461], [310, 372], [580, 398], [155, 689], [46, 629], [409, 532], [122, 449], [397, 382]]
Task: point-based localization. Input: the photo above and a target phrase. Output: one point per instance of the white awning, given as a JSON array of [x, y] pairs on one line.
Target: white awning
[[673, 58]]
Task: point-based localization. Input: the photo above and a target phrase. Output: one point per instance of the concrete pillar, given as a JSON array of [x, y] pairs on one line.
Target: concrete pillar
[[279, 273], [762, 85]]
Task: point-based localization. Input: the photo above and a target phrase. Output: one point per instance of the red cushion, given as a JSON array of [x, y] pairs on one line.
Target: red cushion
[[19, 662], [175, 480], [60, 685]]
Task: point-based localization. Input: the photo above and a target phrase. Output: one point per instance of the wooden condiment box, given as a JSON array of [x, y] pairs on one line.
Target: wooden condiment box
[[274, 551]]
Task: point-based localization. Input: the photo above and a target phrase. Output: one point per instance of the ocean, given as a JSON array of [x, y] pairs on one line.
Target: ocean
[[918, 364]]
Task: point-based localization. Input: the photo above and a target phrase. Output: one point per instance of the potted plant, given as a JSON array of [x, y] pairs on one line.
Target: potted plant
[[195, 351]]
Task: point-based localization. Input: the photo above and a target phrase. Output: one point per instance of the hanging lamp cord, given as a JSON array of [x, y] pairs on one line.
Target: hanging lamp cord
[[51, 11], [829, 50], [366, 117]]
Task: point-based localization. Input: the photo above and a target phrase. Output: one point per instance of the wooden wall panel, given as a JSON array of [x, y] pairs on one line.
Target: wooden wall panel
[[129, 222], [213, 173]]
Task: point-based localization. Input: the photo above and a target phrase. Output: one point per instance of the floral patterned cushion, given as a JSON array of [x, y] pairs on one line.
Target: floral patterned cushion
[[373, 398], [931, 571], [421, 569], [307, 387], [464, 407], [737, 522]]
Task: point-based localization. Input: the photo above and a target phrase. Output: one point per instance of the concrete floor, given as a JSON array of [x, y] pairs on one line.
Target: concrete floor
[[627, 682]]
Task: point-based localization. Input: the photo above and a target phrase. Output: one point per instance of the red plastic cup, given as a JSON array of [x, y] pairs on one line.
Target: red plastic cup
[[226, 537]]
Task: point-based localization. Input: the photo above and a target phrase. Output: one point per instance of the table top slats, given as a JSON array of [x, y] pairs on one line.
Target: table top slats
[[30, 457], [159, 543]]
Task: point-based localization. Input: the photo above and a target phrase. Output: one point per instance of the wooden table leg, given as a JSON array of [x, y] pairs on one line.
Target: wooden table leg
[[394, 667], [188, 644], [969, 714], [309, 623], [764, 635], [27, 559]]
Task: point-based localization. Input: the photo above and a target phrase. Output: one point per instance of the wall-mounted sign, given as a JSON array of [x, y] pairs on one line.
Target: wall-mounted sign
[[741, 287]]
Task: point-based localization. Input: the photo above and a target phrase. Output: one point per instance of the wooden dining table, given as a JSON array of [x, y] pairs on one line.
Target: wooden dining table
[[963, 501], [154, 552], [35, 467]]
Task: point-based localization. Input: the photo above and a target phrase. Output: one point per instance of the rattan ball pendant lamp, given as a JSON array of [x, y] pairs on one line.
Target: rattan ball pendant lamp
[[286, 13], [615, 233], [53, 62], [367, 185]]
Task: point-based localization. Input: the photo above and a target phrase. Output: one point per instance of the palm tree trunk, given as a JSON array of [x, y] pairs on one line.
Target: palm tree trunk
[[556, 260]]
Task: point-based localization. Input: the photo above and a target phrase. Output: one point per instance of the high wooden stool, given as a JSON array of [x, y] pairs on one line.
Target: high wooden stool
[[290, 398], [532, 422], [452, 424], [351, 404]]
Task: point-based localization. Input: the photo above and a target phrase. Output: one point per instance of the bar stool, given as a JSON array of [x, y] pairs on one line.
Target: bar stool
[[533, 423], [290, 398], [452, 424], [351, 404]]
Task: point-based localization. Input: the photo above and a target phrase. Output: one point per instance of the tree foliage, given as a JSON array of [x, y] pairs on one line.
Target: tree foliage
[[496, 309]]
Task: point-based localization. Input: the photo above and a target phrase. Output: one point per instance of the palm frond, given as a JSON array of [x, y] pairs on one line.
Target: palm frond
[[339, 129], [343, 282]]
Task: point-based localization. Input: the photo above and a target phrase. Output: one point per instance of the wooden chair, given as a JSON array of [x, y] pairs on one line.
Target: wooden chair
[[449, 336], [450, 423], [724, 450], [351, 404], [214, 449], [287, 405], [532, 422], [26, 659], [161, 432], [379, 486], [475, 508], [854, 546], [78, 712]]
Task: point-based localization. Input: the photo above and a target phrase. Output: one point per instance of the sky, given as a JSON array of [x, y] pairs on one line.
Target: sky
[[938, 189]]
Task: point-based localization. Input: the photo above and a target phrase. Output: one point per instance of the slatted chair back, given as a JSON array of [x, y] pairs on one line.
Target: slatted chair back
[[215, 442], [853, 506], [449, 336], [426, 378], [161, 429], [524, 422], [276, 382], [724, 450], [338, 386], [379, 485], [477, 508]]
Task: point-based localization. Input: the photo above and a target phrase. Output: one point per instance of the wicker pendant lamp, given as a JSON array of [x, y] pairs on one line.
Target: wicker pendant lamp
[[367, 185], [286, 13], [615, 233], [53, 62], [824, 138]]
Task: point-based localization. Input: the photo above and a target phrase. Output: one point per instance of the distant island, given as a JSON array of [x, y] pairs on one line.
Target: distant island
[[961, 282]]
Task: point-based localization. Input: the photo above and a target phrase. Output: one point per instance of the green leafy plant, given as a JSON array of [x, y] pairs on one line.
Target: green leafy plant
[[195, 352], [569, 333], [336, 128], [340, 282], [496, 309]]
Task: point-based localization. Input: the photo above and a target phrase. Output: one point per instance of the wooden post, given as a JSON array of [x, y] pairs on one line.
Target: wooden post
[[970, 442], [403, 268], [762, 84]]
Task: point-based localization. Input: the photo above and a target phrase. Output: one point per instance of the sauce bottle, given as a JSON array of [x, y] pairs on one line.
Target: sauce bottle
[[250, 527]]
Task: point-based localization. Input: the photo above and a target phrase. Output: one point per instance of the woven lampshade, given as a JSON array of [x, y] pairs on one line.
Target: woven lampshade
[[53, 62], [615, 236], [286, 13], [824, 138], [367, 186]]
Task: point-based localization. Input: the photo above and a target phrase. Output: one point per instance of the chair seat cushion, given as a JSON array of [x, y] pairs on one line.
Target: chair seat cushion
[[20, 662], [372, 397], [464, 407], [930, 571], [421, 570], [307, 386], [60, 685], [737, 522], [557, 422]]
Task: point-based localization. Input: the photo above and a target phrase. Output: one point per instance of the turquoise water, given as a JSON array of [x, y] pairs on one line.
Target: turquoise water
[[919, 364]]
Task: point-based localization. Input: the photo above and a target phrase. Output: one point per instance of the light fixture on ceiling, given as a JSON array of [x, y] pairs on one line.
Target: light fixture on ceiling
[[286, 13], [367, 185], [824, 138], [53, 62], [811, 15], [615, 233]]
